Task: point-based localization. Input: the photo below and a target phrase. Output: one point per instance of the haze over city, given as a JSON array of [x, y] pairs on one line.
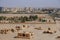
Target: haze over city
[[30, 3]]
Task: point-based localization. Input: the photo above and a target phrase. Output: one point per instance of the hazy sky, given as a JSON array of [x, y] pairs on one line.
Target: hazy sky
[[30, 3]]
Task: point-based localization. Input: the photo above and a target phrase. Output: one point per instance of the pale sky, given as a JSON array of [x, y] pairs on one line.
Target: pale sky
[[30, 3]]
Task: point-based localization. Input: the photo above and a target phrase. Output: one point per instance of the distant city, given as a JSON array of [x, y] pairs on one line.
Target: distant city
[[28, 10]]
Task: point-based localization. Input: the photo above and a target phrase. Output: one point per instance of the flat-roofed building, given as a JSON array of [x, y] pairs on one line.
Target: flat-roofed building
[[10, 9], [6, 9]]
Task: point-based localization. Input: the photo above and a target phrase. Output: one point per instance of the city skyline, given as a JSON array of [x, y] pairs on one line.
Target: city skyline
[[30, 3]]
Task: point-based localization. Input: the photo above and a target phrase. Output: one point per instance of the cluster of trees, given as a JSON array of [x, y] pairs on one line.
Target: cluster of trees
[[42, 20], [20, 19]]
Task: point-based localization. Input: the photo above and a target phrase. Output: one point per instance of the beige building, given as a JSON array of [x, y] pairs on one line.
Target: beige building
[[6, 9], [10, 9]]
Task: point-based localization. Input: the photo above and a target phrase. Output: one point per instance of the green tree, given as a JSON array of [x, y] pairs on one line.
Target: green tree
[[25, 18], [33, 18], [22, 19], [2, 18]]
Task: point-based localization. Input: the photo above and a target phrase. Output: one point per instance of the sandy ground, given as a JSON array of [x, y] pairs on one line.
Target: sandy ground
[[11, 15], [38, 34]]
